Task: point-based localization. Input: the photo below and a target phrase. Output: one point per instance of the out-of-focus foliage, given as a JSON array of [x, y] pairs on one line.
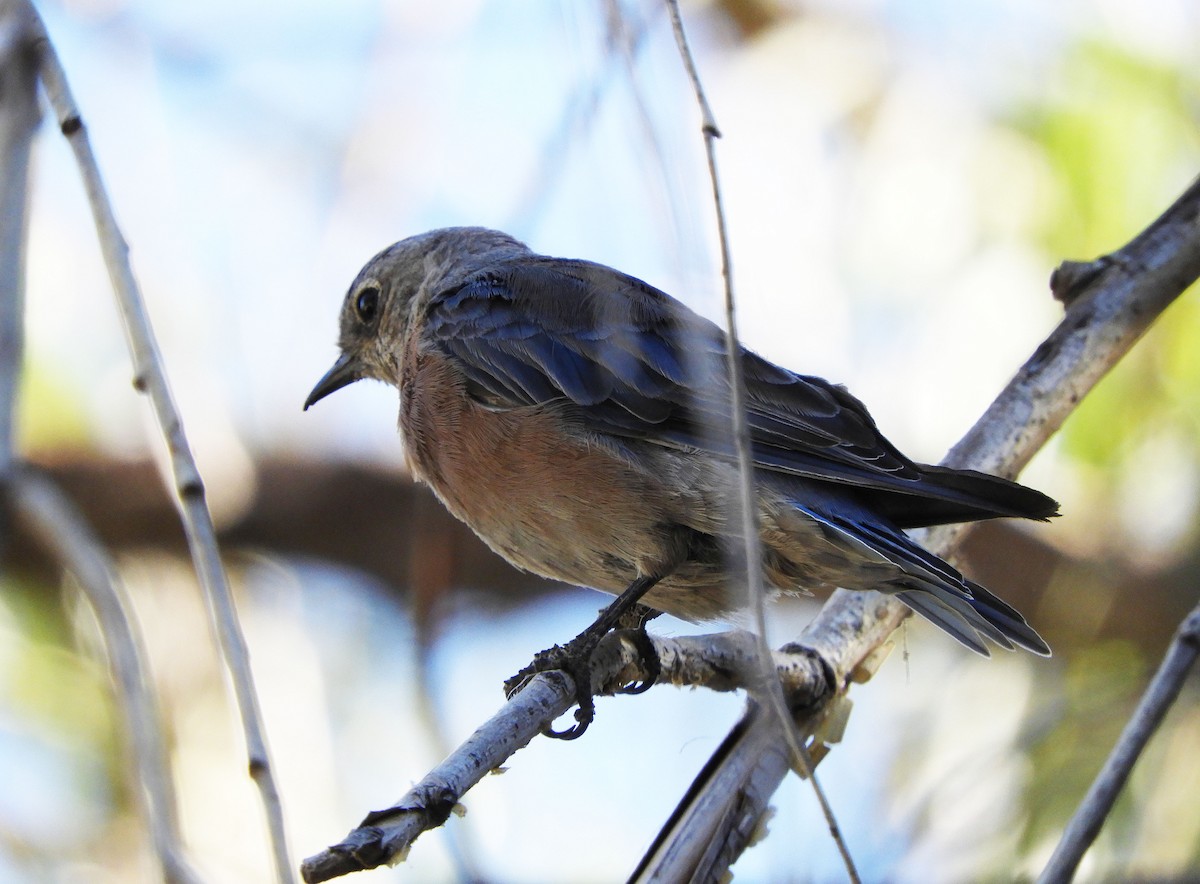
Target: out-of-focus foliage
[[60, 755], [50, 414], [1119, 134]]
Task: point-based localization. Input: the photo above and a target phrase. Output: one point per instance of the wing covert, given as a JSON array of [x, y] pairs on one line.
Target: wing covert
[[635, 363]]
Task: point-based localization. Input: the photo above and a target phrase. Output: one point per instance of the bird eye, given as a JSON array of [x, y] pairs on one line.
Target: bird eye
[[367, 303]]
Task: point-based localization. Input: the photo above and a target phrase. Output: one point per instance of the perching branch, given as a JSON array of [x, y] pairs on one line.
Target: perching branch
[[847, 640], [150, 378], [723, 661], [1162, 692], [1110, 304]]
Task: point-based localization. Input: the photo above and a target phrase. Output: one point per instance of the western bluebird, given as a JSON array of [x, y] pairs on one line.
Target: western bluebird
[[577, 419]]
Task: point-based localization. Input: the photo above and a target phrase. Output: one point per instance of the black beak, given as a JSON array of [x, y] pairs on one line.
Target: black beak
[[345, 371]]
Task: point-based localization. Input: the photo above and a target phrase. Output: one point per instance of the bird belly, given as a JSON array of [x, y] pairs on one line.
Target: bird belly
[[546, 498]]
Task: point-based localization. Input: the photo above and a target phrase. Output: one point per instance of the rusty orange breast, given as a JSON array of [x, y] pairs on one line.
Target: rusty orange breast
[[539, 491]]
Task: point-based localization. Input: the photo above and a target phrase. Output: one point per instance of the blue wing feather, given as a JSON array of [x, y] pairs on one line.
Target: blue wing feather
[[630, 361]]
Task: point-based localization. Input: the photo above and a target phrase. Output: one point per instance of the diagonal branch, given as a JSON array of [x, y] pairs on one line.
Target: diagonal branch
[[1109, 307], [63, 532], [1110, 304], [723, 661], [150, 378], [1163, 690]]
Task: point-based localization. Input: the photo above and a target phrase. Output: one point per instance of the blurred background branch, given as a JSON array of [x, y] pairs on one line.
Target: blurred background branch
[[35, 502], [359, 515], [1095, 807], [724, 661], [49, 515]]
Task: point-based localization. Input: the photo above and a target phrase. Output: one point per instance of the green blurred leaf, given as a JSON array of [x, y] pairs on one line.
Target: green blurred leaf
[[50, 414], [1119, 134]]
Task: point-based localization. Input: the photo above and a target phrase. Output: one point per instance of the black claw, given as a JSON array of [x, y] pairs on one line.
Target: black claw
[[583, 717], [645, 648], [575, 659]]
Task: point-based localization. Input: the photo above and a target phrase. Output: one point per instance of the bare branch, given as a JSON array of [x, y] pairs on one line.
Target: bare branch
[[19, 118], [150, 378], [1162, 692], [34, 498], [722, 661], [1110, 307], [60, 529]]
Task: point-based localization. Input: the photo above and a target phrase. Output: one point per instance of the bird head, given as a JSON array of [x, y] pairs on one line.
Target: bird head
[[389, 292]]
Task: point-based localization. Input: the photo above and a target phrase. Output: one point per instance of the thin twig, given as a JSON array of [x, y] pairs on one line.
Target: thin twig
[[150, 378], [62, 531], [35, 499], [747, 497], [1161, 693], [385, 836]]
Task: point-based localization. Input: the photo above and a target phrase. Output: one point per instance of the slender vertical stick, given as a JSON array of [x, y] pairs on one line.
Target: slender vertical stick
[[747, 498], [150, 378], [19, 118], [35, 499]]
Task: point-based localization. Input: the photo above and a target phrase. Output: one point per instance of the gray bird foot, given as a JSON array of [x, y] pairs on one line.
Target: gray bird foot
[[575, 659]]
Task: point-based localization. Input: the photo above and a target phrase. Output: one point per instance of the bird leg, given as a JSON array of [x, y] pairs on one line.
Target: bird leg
[[635, 620], [575, 657]]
